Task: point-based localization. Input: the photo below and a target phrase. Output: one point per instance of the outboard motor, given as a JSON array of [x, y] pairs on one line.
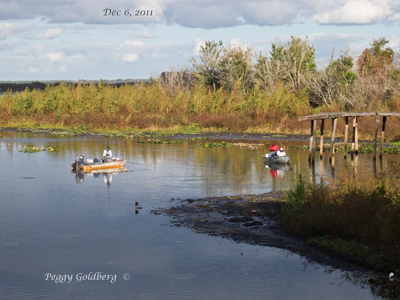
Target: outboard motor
[[78, 161]]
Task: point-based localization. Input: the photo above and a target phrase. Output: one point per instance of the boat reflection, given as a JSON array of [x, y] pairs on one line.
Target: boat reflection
[[277, 170], [105, 174]]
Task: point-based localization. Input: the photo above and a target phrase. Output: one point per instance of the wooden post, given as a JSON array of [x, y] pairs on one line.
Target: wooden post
[[321, 142], [321, 169], [376, 135], [345, 136], [356, 141], [311, 165], [383, 136], [353, 143], [334, 122], [356, 164], [312, 140]]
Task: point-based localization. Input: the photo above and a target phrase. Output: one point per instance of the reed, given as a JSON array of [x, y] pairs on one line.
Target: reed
[[158, 105], [355, 214]]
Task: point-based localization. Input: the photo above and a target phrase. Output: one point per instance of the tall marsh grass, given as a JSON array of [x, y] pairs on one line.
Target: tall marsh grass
[[149, 105], [158, 105], [352, 209]]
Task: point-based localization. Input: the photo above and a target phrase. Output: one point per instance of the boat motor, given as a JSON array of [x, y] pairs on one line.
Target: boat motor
[[78, 161]]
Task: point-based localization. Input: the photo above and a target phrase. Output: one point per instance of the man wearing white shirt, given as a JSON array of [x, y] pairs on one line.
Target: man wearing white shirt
[[281, 152], [107, 154]]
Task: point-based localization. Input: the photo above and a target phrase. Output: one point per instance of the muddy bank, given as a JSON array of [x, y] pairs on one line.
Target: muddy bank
[[254, 219], [251, 219]]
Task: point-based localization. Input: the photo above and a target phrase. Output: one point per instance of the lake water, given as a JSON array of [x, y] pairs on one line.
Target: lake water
[[53, 222]]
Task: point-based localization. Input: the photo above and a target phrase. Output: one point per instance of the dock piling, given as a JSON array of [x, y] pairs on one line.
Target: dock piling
[[376, 133], [346, 136], [334, 122], [321, 142], [311, 156], [382, 136]]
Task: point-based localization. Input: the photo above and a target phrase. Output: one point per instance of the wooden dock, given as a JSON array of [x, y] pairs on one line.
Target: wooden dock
[[354, 144]]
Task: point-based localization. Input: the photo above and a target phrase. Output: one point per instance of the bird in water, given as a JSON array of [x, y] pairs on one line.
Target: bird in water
[[136, 203]]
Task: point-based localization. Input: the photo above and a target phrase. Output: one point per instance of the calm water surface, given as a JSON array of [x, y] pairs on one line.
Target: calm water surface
[[53, 222]]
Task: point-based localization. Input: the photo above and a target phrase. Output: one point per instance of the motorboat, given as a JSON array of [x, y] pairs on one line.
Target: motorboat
[[277, 159], [96, 164]]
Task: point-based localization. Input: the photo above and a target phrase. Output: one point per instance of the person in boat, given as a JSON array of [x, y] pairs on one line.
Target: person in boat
[[107, 155], [272, 150], [280, 152]]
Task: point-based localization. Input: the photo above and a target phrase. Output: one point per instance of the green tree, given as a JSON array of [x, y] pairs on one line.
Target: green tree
[[237, 67], [208, 68], [296, 59], [376, 60]]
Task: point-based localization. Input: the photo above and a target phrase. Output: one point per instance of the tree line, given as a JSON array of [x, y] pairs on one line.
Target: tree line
[[367, 82]]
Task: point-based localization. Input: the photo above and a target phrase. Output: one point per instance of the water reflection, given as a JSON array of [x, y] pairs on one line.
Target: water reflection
[[277, 170], [51, 223], [105, 174]]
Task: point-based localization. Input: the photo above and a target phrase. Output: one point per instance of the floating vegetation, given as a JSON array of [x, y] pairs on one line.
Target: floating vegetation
[[35, 149], [61, 135], [279, 135], [158, 141], [212, 145], [367, 149], [1, 136], [362, 148], [193, 139], [301, 147], [249, 146], [117, 135]]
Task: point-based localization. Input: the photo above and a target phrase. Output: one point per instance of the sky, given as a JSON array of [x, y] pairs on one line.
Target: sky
[[139, 39]]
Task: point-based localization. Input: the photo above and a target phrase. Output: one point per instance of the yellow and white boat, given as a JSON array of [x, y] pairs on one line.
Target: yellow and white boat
[[96, 164]]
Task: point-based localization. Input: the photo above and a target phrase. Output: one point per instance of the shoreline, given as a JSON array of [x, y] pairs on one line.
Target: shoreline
[[255, 219]]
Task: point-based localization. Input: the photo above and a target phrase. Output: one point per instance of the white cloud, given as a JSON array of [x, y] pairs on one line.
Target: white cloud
[[33, 70], [47, 35], [37, 49], [52, 57], [132, 45], [197, 47], [130, 57], [356, 12], [238, 43], [207, 14], [145, 34], [6, 29], [63, 69], [394, 18]]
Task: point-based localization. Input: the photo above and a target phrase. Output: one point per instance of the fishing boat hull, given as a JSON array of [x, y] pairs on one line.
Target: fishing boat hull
[[277, 159], [87, 167], [108, 171]]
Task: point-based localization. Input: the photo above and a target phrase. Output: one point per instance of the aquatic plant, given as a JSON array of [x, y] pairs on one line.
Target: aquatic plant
[[35, 149], [216, 144]]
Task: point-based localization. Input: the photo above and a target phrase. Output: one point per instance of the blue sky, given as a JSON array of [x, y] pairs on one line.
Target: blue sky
[[73, 39]]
